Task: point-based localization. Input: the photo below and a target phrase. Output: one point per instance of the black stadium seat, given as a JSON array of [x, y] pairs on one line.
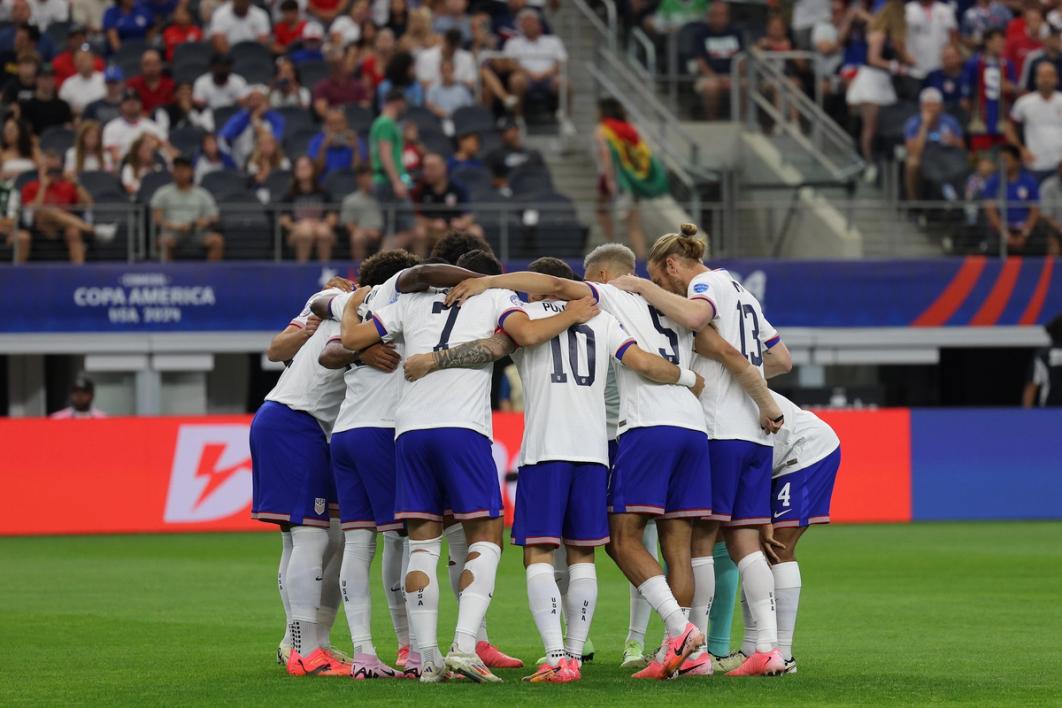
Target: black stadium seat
[[99, 184], [340, 183], [128, 57], [150, 183], [277, 184], [530, 179], [311, 72], [222, 115], [296, 142], [359, 118], [425, 120], [224, 184], [437, 142], [186, 139], [295, 118], [58, 139], [475, 179], [472, 119]]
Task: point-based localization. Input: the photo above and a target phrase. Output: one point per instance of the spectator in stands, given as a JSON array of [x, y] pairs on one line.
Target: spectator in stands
[[988, 81], [241, 130], [64, 63], [454, 15], [141, 160], [18, 153], [429, 62], [85, 86], [186, 213], [932, 126], [346, 29], [483, 39], [336, 147], [287, 89], [10, 218], [373, 65], [512, 152], [24, 84], [671, 15], [154, 87], [931, 26], [1051, 210], [45, 109], [109, 107], [717, 44], [413, 150], [239, 21], [309, 219], [288, 29], [827, 39], [441, 206], [872, 86], [982, 16], [397, 16], [268, 157], [807, 14], [361, 216], [82, 394], [342, 87], [89, 14], [45, 12], [447, 95], [1050, 53], [180, 31], [127, 20], [948, 79], [467, 152], [325, 10], [1039, 114], [183, 113], [400, 75], [120, 133], [219, 88], [388, 172], [1018, 226], [1020, 44], [52, 204], [1044, 382], [211, 158], [540, 59], [87, 153], [20, 35]]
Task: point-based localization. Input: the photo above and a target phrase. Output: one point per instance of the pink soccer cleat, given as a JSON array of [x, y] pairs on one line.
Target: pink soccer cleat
[[653, 671], [679, 647], [318, 663], [696, 665], [574, 667], [495, 658], [369, 666], [403, 655], [552, 674], [412, 668], [762, 663]]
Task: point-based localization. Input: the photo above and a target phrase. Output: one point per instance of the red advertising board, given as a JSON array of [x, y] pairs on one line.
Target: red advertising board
[[142, 475]]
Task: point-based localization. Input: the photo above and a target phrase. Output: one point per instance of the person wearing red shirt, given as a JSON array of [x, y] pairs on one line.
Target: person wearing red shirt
[[1028, 40], [50, 200], [324, 10], [289, 28], [182, 30], [154, 87], [63, 63]]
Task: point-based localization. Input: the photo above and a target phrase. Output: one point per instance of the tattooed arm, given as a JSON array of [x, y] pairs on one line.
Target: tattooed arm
[[470, 355]]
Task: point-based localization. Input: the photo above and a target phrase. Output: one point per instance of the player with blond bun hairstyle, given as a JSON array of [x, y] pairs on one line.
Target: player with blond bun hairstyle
[[713, 304]]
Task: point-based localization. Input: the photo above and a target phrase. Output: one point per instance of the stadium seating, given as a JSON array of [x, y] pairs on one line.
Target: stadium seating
[[58, 139]]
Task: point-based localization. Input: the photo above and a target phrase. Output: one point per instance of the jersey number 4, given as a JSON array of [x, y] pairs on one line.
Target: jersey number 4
[[438, 307], [558, 375]]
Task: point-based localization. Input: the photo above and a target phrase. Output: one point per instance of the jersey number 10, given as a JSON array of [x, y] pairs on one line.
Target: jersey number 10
[[558, 375]]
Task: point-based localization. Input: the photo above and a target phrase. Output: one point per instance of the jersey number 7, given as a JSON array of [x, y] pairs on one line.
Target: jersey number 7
[[438, 307]]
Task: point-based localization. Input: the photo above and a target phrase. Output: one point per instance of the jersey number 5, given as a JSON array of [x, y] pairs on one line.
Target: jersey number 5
[[438, 307], [672, 337], [558, 375]]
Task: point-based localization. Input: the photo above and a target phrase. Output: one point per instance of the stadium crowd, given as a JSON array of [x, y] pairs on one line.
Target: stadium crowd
[[360, 118]]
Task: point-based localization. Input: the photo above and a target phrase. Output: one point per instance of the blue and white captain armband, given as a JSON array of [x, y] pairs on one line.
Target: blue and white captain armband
[[687, 378]]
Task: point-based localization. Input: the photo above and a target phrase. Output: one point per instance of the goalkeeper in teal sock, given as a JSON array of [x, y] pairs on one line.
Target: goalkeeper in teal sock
[[721, 617]]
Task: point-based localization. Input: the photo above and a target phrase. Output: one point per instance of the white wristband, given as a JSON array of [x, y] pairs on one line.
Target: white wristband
[[687, 378]]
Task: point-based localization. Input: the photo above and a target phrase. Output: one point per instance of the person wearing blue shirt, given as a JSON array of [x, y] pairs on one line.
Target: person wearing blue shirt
[[948, 78], [241, 130], [126, 20], [336, 147], [1018, 226], [932, 126], [41, 41]]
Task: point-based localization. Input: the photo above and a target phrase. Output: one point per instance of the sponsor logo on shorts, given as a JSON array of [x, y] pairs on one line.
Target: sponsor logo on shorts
[[781, 513], [211, 474]]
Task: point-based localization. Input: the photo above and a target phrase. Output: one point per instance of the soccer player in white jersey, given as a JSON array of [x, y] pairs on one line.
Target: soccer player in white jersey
[[561, 496], [662, 466], [686, 290], [293, 488], [443, 455]]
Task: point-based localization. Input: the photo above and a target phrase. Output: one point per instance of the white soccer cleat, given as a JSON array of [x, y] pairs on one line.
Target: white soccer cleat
[[431, 673], [726, 664], [470, 666], [790, 666]]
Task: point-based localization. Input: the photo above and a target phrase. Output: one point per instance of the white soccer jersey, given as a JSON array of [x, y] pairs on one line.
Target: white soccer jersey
[[451, 398], [612, 401], [642, 402], [804, 439], [564, 388], [305, 385], [371, 395], [728, 411]]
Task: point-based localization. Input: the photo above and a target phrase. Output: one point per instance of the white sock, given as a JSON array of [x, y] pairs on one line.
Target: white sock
[[657, 593], [544, 599], [330, 595], [282, 570], [560, 574], [304, 580], [422, 606], [639, 613], [358, 551], [580, 603], [457, 547], [703, 592], [758, 581], [787, 590], [748, 640], [391, 569], [475, 599]]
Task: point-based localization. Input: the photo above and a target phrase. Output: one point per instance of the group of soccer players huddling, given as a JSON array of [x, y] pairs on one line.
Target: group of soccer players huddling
[[648, 423]]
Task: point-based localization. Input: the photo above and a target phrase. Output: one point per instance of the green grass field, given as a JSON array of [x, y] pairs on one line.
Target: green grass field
[[927, 613]]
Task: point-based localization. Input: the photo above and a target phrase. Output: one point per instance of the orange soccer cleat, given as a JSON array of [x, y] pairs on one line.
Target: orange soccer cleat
[[575, 667], [495, 658], [552, 674], [402, 657], [696, 665], [318, 663], [679, 647], [762, 663], [654, 670]]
